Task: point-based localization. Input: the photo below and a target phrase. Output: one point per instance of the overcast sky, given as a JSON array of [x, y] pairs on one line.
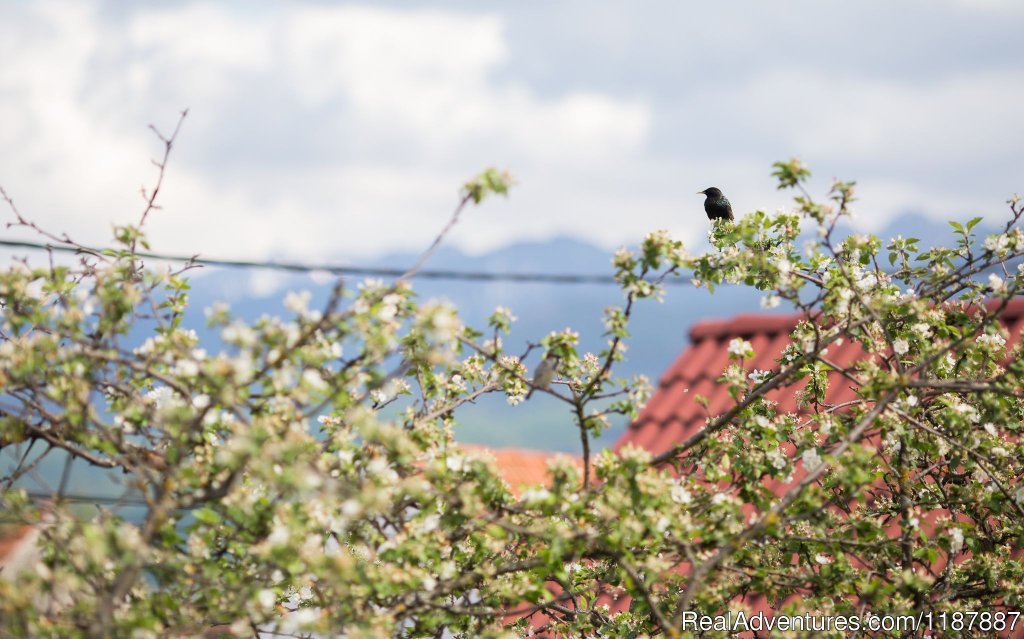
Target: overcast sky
[[335, 131]]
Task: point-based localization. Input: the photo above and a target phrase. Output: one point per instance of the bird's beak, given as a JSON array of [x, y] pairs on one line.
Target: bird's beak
[[701, 193]]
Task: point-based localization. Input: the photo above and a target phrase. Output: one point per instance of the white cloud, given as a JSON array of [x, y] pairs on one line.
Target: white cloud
[[405, 67], [944, 146], [264, 283], [971, 115], [325, 133], [419, 82], [60, 160], [193, 50], [991, 5]]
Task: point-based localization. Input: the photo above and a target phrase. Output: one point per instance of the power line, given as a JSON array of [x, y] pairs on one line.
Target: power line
[[130, 500], [84, 498], [335, 269]]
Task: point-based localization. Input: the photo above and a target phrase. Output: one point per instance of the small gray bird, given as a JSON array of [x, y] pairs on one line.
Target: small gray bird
[[716, 205], [545, 373]]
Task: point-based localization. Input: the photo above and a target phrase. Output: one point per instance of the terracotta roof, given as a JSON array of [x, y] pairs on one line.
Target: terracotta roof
[[673, 414], [16, 547], [520, 467]]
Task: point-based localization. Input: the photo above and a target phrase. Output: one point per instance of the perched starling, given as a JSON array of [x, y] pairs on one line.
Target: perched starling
[[716, 205]]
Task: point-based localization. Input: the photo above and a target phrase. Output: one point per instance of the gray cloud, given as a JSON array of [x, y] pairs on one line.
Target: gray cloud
[[332, 131]]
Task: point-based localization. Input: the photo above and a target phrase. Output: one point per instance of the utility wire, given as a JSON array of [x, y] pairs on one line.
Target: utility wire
[[335, 269], [82, 498], [132, 500]]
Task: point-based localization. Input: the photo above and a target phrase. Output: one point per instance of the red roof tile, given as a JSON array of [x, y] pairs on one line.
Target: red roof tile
[[673, 413], [17, 548], [10, 537], [520, 467]]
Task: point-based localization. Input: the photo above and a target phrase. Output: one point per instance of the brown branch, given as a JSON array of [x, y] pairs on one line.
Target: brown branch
[[161, 165], [466, 199]]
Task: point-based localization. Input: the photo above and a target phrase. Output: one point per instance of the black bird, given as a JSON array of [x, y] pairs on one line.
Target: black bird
[[716, 205]]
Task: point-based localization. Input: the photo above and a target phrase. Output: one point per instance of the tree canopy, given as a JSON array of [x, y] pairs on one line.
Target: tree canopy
[[304, 477]]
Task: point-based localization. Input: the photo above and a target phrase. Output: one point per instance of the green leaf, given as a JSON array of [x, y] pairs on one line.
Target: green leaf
[[207, 516], [490, 181], [791, 173]]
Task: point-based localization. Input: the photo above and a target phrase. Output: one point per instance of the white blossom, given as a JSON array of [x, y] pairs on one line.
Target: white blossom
[[956, 540], [455, 463], [996, 283], [968, 411], [758, 376], [298, 302], [536, 494], [429, 523], [239, 333], [811, 459], [507, 313], [998, 244], [314, 380], [266, 599], [163, 398], [740, 347], [279, 535], [187, 368], [345, 456], [680, 495], [993, 340]]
